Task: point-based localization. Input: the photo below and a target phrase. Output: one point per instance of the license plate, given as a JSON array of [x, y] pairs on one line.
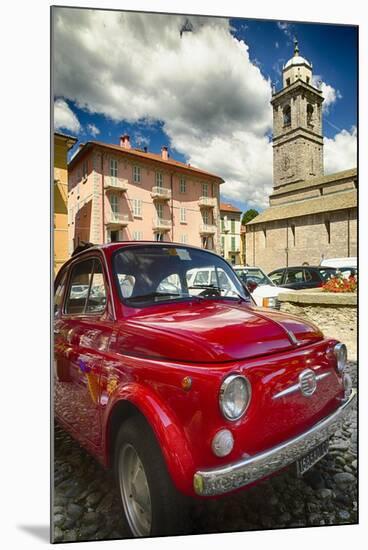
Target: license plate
[[307, 461]]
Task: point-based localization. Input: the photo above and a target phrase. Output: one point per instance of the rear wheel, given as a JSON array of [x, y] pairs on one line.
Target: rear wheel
[[152, 505]]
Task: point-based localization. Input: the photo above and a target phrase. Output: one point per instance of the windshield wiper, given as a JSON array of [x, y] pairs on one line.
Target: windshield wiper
[[153, 295], [218, 288], [207, 286]]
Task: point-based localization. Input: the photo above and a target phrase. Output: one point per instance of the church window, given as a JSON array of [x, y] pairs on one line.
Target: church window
[[307, 79], [288, 82], [265, 237], [293, 233], [287, 115], [309, 114], [328, 230]]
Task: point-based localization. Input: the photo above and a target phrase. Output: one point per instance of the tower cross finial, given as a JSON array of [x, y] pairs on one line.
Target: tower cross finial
[[296, 47]]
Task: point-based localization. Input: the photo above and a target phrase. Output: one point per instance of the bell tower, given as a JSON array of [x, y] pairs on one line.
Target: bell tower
[[297, 125]]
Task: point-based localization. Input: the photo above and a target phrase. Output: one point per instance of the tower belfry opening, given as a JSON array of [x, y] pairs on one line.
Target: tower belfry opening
[[297, 124]]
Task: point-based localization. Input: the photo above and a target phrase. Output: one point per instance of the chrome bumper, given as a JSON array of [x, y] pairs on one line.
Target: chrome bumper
[[239, 474]]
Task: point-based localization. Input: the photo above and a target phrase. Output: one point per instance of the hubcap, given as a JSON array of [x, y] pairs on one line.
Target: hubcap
[[134, 491]]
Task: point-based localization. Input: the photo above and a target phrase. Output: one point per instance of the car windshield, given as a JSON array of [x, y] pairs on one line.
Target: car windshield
[[149, 275], [253, 276]]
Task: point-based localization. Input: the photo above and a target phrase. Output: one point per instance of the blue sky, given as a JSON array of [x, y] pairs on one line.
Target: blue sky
[[331, 48]]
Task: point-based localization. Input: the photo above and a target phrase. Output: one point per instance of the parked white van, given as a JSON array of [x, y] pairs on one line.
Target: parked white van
[[340, 262]]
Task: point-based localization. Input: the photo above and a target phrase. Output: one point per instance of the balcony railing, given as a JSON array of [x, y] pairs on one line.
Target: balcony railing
[[161, 193], [116, 218], [160, 224], [112, 183], [207, 229], [207, 202]]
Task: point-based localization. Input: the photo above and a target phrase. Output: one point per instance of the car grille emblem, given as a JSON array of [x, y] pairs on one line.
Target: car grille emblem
[[307, 382]]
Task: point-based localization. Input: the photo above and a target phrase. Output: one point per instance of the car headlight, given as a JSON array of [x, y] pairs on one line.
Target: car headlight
[[235, 393], [269, 302], [341, 356]]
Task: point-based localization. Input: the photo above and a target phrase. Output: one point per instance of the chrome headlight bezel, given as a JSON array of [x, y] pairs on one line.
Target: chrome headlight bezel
[[223, 396], [341, 354]]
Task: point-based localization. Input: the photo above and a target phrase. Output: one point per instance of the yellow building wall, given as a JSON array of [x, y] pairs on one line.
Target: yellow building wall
[[61, 146]]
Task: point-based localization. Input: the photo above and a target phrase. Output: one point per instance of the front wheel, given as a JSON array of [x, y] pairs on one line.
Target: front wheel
[[152, 505]]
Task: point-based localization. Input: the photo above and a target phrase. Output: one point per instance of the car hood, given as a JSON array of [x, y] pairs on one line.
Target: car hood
[[211, 331]]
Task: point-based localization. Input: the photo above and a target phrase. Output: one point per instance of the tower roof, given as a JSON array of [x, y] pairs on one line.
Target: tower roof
[[297, 59]]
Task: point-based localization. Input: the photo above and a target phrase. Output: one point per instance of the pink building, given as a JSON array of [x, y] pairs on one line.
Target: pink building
[[116, 192]]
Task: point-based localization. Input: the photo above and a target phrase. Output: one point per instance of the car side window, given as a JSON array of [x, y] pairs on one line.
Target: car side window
[[276, 277], [96, 302], [171, 283], [78, 287], [59, 293], [222, 281], [294, 276], [201, 278], [311, 275]]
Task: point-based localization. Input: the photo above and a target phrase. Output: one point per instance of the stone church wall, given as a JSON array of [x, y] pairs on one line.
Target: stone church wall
[[295, 196], [305, 239]]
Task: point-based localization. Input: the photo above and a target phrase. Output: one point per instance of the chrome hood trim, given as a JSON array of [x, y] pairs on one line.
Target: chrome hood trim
[[296, 387]]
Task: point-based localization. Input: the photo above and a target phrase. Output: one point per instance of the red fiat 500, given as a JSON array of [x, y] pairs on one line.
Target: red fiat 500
[[167, 372]]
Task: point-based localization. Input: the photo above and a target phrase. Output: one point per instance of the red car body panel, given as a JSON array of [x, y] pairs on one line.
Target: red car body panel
[[142, 355]]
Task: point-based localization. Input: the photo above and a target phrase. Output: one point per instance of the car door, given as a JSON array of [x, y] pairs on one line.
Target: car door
[[85, 331], [312, 278], [294, 278]]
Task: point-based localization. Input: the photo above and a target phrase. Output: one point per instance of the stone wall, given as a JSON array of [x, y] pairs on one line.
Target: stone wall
[[334, 314], [291, 242]]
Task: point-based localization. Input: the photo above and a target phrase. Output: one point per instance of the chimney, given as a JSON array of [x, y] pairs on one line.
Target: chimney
[[125, 141], [164, 153]]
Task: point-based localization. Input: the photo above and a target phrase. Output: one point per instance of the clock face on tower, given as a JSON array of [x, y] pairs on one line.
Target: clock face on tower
[[286, 163]]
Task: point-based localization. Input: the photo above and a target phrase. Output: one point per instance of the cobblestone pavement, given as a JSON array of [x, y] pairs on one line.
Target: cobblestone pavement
[[87, 505]]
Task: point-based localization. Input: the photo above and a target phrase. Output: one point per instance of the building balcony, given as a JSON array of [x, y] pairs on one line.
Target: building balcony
[[207, 229], [160, 224], [161, 193], [117, 219], [112, 183], [207, 202]]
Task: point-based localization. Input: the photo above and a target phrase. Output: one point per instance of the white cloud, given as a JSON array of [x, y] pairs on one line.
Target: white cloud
[[211, 99], [64, 118], [92, 129], [140, 140], [329, 93], [340, 152], [286, 28]]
